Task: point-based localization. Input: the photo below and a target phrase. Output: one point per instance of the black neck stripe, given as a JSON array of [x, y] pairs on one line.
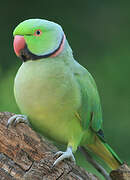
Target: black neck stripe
[[25, 54]]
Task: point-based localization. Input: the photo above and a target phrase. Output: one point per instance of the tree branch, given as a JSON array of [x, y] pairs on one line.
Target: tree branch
[[24, 156]]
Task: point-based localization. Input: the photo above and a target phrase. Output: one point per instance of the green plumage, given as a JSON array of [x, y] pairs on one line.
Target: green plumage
[[58, 95]]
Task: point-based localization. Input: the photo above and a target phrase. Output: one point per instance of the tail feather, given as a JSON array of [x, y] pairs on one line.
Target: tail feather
[[105, 152], [113, 153]]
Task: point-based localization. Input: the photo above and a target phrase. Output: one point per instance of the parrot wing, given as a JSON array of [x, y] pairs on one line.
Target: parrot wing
[[90, 112]]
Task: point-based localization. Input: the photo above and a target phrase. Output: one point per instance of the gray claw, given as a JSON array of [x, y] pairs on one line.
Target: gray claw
[[67, 154], [18, 118]]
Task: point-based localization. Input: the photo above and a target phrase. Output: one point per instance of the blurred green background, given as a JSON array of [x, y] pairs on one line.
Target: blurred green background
[[99, 34]]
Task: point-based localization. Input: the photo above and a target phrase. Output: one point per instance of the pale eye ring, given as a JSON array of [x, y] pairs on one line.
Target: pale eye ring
[[38, 32]]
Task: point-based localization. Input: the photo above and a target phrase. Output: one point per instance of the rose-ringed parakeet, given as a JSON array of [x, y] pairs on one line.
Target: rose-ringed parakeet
[[56, 93]]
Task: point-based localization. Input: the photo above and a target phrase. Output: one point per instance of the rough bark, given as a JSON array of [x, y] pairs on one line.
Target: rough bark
[[123, 173], [24, 156]]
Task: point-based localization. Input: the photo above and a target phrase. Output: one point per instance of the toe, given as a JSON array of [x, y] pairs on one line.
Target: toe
[[67, 154], [17, 119], [57, 161], [11, 120], [72, 158], [58, 153]]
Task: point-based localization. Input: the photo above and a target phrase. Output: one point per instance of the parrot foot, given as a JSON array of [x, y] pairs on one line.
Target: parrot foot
[[19, 118], [63, 155]]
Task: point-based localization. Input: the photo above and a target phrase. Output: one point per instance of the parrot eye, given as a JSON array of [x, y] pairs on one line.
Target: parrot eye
[[38, 32]]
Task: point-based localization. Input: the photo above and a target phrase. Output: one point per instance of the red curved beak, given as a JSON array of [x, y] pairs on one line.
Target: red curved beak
[[19, 44]]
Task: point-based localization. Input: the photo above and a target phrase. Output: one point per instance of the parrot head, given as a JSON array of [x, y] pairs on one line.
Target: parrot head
[[38, 38]]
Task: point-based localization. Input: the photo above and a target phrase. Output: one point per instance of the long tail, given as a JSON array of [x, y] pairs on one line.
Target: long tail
[[105, 152]]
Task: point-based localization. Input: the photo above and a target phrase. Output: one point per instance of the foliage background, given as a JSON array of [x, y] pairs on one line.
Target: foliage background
[[99, 34]]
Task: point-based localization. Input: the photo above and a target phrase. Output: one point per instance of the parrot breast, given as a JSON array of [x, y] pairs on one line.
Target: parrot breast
[[48, 94]]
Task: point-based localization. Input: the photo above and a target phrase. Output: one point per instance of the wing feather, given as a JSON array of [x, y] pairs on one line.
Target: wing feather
[[90, 113]]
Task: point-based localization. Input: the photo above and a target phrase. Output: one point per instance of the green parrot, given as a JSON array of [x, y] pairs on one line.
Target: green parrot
[[56, 94]]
